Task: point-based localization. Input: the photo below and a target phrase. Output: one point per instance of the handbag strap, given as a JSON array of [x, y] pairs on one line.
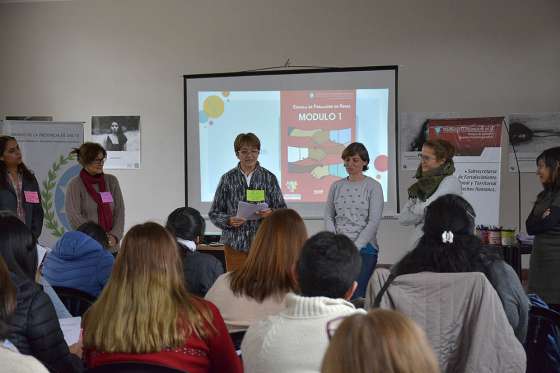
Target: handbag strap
[[379, 295]]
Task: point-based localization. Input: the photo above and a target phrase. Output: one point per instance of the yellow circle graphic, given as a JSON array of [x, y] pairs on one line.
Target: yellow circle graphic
[[213, 106]]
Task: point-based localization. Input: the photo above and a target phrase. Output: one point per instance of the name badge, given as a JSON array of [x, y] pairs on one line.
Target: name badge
[[31, 196], [106, 197], [255, 195]]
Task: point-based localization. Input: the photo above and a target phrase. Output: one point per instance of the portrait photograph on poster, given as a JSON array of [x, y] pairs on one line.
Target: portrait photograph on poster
[[120, 136]]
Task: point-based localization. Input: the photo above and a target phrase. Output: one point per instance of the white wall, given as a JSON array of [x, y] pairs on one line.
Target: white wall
[[80, 58]]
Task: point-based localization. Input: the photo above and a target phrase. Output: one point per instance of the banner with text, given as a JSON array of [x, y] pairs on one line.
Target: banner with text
[[477, 160], [46, 150]]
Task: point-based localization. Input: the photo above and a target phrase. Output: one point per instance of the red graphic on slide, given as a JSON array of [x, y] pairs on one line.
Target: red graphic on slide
[[316, 126], [469, 136]]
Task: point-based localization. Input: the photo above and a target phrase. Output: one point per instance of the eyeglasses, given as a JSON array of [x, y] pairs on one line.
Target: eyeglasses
[[333, 325], [245, 153], [99, 160]]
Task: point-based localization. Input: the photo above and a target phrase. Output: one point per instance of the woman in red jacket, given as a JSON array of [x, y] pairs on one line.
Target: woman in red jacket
[[145, 314]]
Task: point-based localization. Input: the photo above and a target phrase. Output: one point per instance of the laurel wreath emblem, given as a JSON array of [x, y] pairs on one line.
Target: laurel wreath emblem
[[47, 195]]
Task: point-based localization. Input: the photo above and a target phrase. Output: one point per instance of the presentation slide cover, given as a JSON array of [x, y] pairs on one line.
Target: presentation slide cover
[[302, 134]]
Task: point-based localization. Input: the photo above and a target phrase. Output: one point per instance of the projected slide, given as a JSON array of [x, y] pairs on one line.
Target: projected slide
[[302, 133]]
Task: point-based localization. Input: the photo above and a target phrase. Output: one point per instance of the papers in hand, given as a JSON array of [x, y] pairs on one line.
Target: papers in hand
[[248, 211], [71, 329]]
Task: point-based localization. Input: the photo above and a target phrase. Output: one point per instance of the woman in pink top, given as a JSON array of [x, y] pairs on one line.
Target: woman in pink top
[[145, 314]]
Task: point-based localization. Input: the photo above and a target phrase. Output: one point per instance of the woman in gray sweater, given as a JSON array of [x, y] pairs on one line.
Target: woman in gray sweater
[[354, 208]]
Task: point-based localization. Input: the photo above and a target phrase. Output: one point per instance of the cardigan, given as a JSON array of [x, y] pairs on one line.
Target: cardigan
[[81, 208], [213, 355], [232, 189], [295, 339]]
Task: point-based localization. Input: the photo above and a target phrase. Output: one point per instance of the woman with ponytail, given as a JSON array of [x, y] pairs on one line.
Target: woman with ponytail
[[434, 179], [94, 195], [449, 245]]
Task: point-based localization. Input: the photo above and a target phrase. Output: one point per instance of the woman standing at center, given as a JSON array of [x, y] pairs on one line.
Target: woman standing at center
[[354, 208], [248, 182], [434, 179], [94, 195]]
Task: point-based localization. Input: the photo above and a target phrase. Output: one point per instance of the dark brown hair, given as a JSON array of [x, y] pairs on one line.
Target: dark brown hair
[[87, 152], [269, 269], [7, 299], [27, 175], [551, 159], [356, 148], [442, 149], [246, 139]]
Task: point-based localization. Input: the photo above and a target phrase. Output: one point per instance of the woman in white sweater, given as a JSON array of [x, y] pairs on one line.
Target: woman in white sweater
[[434, 179]]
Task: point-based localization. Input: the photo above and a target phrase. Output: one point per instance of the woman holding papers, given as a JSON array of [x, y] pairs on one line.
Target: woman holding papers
[[544, 223], [247, 183], [94, 195], [19, 190], [354, 208]]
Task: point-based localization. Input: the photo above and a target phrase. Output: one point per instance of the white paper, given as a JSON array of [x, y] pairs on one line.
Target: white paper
[[248, 211], [71, 328], [41, 252]]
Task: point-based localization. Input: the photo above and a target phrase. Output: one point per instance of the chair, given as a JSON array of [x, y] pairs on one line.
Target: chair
[[543, 340], [76, 301], [133, 367], [237, 338]]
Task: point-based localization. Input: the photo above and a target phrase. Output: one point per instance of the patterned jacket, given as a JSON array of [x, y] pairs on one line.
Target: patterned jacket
[[232, 189]]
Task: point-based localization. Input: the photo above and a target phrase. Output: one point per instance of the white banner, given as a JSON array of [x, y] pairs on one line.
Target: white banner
[[477, 143], [46, 148]]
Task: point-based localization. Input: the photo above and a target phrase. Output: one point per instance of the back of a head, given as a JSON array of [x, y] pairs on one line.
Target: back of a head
[[186, 223], [272, 256], [145, 301], [95, 231], [448, 243], [382, 341], [328, 265], [17, 246], [7, 299]]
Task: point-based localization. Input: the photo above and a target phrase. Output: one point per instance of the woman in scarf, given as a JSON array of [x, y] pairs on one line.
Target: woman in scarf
[[95, 196], [434, 179]]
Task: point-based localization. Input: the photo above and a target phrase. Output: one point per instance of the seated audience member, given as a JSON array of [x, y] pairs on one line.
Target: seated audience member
[[12, 361], [78, 261], [201, 270], [146, 315], [449, 245], [34, 327], [295, 340], [96, 232], [380, 342], [258, 288]]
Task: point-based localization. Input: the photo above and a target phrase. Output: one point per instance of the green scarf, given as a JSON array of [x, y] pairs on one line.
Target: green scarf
[[429, 181]]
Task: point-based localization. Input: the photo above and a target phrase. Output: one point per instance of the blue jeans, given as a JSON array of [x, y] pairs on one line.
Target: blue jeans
[[369, 255]]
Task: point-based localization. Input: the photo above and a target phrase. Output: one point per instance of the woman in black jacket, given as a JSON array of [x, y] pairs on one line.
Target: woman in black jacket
[[19, 190], [34, 326]]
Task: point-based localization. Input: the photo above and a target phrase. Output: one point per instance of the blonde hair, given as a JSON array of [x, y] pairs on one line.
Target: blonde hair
[[269, 269], [145, 307], [381, 341]]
